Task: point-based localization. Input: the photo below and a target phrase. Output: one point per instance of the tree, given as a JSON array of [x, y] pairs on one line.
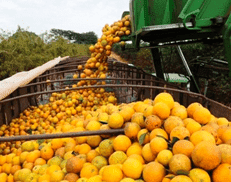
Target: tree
[[84, 38]]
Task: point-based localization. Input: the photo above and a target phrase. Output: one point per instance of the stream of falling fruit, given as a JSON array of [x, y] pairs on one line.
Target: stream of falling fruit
[[65, 107]]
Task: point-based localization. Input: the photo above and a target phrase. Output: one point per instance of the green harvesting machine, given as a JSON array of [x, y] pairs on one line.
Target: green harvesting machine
[[177, 22]]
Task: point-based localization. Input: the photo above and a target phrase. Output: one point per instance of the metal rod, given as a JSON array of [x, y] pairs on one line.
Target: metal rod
[[79, 79], [62, 135], [104, 86], [184, 60], [194, 83]]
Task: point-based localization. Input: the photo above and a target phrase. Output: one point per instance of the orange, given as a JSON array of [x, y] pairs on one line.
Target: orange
[[147, 153], [146, 134], [39, 161], [132, 168], [165, 98], [93, 125], [192, 126], [187, 120], [117, 157], [222, 173], [162, 110], [164, 157], [127, 180], [179, 132], [138, 118], [192, 107], [152, 122], [91, 155], [198, 174], [168, 178], [106, 148], [88, 171], [56, 143], [154, 172], [183, 147], [206, 155], [71, 177], [202, 115], [32, 156], [131, 130], [179, 111], [115, 121], [158, 144], [57, 176], [44, 177], [23, 173], [52, 168], [6, 168], [148, 111], [96, 178], [157, 133], [47, 152], [225, 153], [3, 159], [135, 148], [181, 178], [112, 173], [126, 113], [200, 136], [56, 160], [15, 168], [99, 162], [211, 128], [226, 136], [3, 177], [221, 130], [83, 148], [60, 152], [121, 143], [222, 121], [172, 122], [138, 157], [179, 162], [140, 107], [10, 178], [75, 164]]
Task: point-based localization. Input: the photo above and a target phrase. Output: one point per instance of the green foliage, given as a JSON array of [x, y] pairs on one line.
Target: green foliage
[[81, 38], [25, 50]]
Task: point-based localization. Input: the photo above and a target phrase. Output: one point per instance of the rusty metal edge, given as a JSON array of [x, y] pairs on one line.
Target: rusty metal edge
[[62, 135], [105, 86]]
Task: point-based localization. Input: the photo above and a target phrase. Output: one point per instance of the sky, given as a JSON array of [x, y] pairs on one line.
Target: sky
[[79, 16]]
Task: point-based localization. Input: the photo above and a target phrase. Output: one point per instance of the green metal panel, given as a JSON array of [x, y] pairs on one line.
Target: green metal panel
[[174, 78], [155, 12], [204, 11]]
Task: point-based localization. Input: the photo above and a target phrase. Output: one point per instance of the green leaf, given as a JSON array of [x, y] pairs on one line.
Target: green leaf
[[162, 137], [174, 140], [186, 138], [142, 137], [103, 122], [29, 131], [40, 141], [41, 146], [75, 153], [170, 177], [182, 172]]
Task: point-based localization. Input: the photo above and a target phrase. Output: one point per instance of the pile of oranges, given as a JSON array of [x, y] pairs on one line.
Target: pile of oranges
[[163, 141]]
